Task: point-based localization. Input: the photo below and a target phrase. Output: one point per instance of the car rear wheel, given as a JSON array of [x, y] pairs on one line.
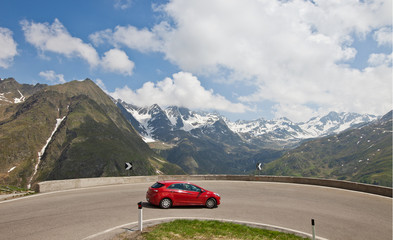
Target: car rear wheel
[[165, 203], [211, 203]]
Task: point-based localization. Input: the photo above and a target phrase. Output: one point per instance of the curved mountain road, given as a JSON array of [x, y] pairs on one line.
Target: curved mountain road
[[82, 213]]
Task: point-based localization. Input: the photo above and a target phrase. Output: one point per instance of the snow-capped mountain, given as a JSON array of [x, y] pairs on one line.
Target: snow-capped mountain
[[155, 123], [151, 122], [334, 123], [284, 128], [187, 120]]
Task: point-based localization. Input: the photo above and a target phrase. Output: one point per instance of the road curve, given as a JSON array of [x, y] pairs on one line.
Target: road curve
[[81, 213]]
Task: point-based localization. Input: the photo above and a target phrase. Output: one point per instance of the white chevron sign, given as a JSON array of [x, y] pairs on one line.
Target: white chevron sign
[[128, 166], [259, 166]]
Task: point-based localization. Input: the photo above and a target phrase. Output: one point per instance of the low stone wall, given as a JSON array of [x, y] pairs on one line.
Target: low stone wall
[[58, 185]]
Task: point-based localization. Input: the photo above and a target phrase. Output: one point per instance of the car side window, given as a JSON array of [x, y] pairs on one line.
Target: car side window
[[190, 187], [176, 186]]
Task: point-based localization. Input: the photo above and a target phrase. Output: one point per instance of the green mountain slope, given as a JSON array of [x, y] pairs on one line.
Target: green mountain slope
[[80, 132], [12, 92], [359, 155]]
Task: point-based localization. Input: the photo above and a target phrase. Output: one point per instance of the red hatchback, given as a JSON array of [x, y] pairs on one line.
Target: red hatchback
[[176, 193]]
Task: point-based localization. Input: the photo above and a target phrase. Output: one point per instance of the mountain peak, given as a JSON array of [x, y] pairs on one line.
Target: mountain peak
[[71, 126], [281, 130]]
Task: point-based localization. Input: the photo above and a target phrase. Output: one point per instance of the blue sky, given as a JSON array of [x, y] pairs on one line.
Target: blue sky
[[245, 59]]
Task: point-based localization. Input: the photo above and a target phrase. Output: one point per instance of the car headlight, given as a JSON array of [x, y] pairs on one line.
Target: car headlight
[[217, 194]]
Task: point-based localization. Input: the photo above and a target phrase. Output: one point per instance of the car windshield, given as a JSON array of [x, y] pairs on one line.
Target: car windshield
[[157, 185]]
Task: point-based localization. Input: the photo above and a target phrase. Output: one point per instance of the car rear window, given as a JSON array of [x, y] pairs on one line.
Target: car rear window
[[157, 185]]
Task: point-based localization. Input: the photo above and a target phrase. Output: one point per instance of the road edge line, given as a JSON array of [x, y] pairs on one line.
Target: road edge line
[[156, 221]]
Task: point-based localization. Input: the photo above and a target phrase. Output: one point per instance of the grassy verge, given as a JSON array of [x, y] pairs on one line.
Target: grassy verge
[[10, 189], [14, 190], [206, 230]]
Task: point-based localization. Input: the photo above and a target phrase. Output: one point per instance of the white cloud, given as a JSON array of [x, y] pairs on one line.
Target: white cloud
[[293, 52], [122, 4], [143, 40], [384, 36], [183, 89], [116, 60], [377, 59], [101, 84], [8, 48], [295, 112], [55, 38], [51, 76]]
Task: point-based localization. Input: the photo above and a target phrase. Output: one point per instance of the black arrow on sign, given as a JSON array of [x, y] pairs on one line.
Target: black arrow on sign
[[128, 166]]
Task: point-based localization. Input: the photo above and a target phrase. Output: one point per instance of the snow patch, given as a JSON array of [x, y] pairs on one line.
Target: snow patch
[[3, 98], [11, 169], [21, 99], [41, 153], [159, 160], [147, 139]]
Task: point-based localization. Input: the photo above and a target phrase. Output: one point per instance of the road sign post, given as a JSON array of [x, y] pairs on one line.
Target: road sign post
[[313, 228], [140, 217]]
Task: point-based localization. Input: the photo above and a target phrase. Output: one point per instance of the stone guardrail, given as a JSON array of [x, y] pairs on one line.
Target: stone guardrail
[[58, 185]]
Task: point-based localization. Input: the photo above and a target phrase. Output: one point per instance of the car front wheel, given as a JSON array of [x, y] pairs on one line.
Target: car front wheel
[[211, 203], [165, 203]]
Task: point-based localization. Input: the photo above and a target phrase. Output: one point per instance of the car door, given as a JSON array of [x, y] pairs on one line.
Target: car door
[[193, 194], [179, 195]]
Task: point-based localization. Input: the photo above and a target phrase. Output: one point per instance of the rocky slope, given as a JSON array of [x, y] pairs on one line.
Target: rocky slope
[[65, 131]]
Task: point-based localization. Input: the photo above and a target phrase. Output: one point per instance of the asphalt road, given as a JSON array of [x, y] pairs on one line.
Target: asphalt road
[[83, 213]]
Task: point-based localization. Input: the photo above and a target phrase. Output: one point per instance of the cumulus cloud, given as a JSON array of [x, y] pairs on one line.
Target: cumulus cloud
[[8, 49], [116, 60], [143, 40], [55, 38], [377, 59], [293, 52], [51, 76], [183, 89], [384, 36]]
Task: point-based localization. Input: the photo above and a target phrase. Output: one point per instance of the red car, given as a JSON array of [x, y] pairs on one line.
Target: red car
[[177, 193]]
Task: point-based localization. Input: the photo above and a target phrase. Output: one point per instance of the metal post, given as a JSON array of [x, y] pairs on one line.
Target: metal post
[[140, 220], [313, 229]]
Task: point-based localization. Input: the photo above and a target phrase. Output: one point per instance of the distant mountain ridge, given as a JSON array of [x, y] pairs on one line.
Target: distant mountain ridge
[[208, 143], [156, 123]]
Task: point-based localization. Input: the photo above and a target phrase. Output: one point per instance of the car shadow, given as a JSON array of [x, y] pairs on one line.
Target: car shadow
[[148, 205]]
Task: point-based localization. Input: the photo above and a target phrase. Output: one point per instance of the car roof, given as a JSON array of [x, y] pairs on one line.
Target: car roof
[[172, 182]]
